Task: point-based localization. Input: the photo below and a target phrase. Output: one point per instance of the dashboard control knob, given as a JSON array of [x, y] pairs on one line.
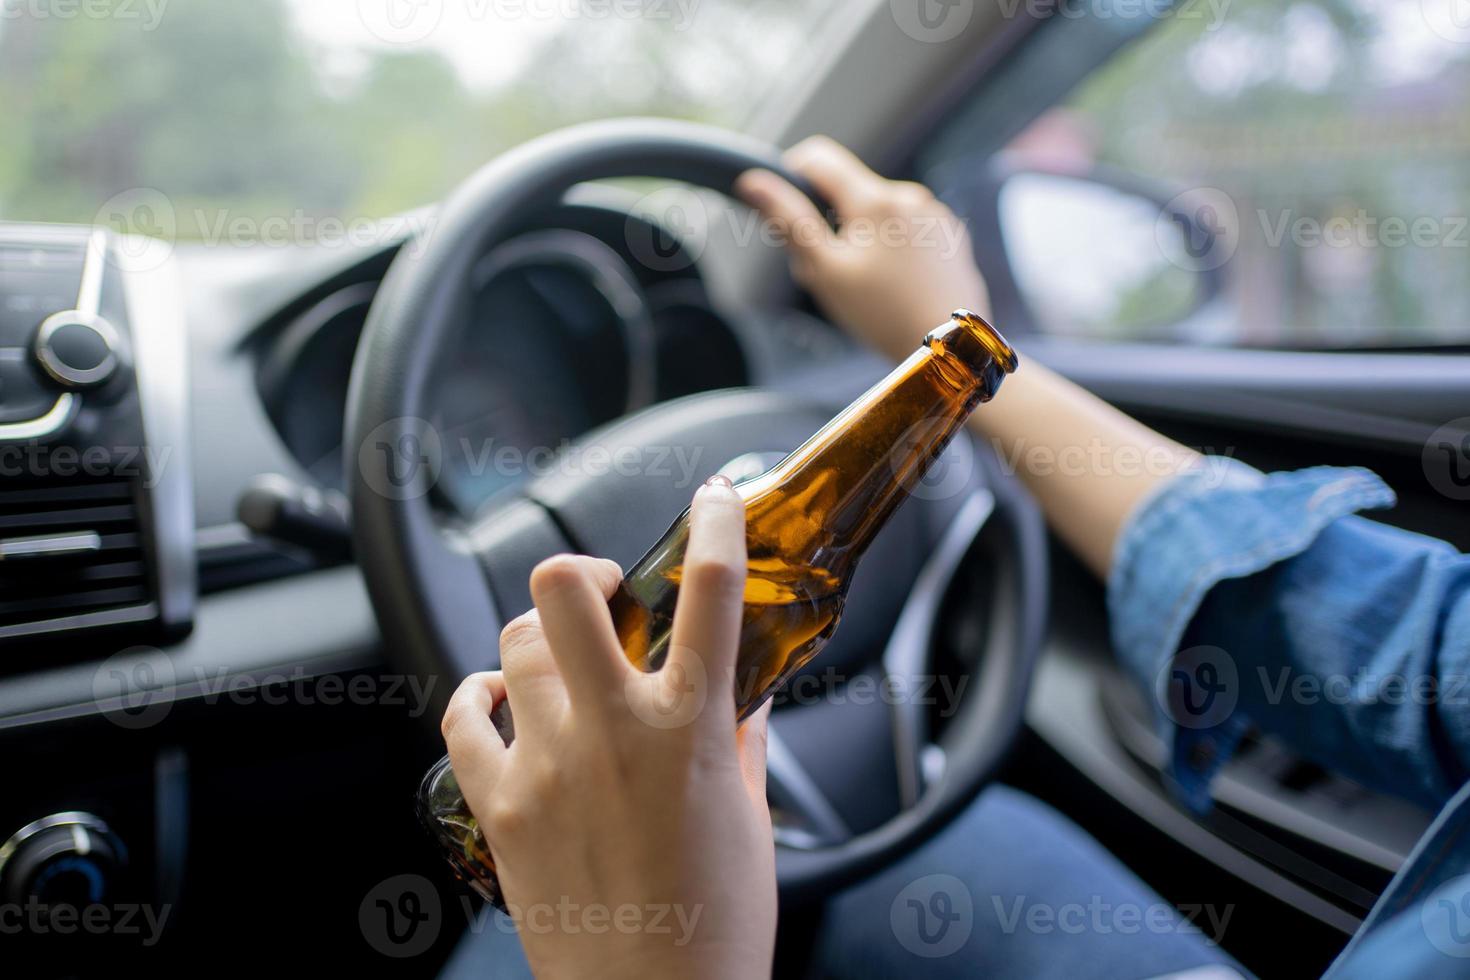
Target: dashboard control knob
[[65, 859], [77, 349], [308, 517]]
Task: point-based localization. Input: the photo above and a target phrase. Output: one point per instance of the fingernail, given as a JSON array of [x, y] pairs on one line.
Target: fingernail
[[719, 483]]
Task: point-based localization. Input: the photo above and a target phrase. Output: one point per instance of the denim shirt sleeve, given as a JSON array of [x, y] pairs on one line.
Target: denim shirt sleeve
[[1241, 599]]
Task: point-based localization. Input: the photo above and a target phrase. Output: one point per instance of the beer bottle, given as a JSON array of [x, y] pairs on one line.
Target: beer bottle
[[808, 521]]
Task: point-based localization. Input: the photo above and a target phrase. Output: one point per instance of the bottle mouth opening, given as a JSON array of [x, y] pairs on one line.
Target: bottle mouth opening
[[999, 348]]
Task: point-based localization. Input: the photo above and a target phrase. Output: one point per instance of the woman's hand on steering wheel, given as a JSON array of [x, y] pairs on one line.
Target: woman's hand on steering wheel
[[897, 265]]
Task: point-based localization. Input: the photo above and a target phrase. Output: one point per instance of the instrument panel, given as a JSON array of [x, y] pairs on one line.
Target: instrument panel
[[566, 330]]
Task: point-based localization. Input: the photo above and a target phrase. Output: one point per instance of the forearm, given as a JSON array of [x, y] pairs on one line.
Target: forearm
[[1088, 464]]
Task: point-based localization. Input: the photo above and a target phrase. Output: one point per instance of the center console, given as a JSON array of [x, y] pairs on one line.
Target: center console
[[96, 556], [96, 506]]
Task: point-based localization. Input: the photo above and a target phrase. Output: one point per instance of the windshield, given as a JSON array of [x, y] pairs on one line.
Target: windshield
[[228, 114]]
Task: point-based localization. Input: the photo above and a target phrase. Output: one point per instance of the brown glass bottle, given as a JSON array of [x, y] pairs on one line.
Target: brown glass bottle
[[808, 521]]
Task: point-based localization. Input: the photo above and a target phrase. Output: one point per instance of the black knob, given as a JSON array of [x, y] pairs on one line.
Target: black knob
[[77, 349], [308, 517], [64, 859]]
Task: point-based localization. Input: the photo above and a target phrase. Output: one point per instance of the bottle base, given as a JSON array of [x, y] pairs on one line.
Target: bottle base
[[442, 809]]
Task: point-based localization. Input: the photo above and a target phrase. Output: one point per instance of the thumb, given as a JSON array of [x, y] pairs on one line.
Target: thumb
[[802, 227]]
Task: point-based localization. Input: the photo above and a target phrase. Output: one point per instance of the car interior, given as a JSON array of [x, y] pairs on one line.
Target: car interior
[[230, 626]]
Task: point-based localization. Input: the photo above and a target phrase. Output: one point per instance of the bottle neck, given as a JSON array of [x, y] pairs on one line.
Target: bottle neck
[[841, 486]]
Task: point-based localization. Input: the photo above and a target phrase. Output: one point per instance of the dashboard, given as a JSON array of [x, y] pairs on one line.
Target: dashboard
[[216, 366], [145, 388], [564, 330]]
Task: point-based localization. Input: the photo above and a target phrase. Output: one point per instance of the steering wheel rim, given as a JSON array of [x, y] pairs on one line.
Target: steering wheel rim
[[432, 590], [414, 313]]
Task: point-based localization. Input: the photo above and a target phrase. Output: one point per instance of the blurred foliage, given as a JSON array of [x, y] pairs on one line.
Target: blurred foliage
[[222, 105], [1315, 110]]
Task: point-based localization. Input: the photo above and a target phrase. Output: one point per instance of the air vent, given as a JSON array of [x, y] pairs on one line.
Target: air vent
[[71, 556]]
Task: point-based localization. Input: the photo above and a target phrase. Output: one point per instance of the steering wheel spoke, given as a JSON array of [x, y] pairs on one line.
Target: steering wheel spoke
[[792, 791], [906, 659], [507, 541]]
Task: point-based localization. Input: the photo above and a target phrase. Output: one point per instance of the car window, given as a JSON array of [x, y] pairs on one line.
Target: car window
[[285, 121], [1254, 173]]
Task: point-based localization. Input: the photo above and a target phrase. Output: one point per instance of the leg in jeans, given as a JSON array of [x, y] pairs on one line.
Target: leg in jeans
[[490, 950], [1010, 889], [1043, 899]]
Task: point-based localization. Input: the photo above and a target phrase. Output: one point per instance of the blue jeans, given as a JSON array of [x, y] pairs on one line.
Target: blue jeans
[[1010, 889]]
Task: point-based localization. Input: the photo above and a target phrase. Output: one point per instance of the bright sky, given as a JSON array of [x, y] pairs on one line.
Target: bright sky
[[488, 40]]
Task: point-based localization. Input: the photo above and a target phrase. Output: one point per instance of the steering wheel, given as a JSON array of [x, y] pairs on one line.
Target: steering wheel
[[442, 589]]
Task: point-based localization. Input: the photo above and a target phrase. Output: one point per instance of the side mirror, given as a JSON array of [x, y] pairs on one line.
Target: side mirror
[[1103, 255]]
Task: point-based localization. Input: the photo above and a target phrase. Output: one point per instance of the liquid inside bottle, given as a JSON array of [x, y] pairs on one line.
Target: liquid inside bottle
[[808, 521]]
